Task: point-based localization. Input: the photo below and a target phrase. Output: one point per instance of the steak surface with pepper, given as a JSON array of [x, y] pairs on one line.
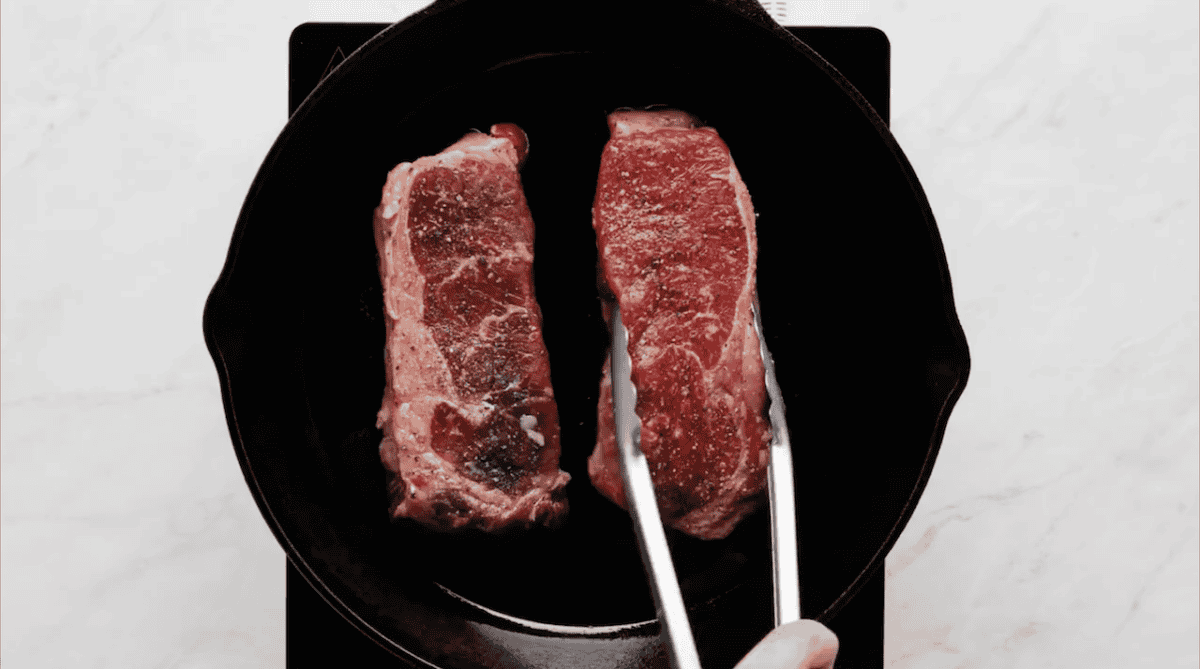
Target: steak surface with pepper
[[469, 420], [675, 230]]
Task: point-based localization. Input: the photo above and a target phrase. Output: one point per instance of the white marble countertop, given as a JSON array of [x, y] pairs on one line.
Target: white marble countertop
[[1057, 143]]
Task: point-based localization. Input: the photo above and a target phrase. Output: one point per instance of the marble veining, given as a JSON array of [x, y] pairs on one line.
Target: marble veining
[[1057, 143]]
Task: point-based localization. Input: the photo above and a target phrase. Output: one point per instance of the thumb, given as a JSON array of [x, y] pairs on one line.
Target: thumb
[[804, 644]]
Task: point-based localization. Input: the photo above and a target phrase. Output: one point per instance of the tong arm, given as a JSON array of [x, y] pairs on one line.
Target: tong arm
[[785, 554], [643, 506]]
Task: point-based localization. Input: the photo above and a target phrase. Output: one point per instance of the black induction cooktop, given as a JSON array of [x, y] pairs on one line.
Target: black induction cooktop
[[317, 636]]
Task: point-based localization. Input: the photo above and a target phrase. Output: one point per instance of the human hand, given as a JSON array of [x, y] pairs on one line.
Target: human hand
[[803, 644]]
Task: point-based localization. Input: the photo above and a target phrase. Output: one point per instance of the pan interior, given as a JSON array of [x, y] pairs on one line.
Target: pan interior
[[587, 572]]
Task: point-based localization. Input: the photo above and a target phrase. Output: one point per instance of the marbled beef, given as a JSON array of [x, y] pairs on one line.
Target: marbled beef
[[675, 229], [470, 425]]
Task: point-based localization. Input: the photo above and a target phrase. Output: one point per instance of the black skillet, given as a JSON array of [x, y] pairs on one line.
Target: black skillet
[[853, 282]]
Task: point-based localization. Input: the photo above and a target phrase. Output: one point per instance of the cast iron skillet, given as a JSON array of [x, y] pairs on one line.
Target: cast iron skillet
[[856, 298]]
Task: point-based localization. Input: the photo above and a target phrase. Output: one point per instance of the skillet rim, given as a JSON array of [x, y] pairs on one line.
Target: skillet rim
[[749, 11]]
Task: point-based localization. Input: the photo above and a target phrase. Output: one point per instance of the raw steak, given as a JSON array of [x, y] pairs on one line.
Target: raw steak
[[470, 426], [677, 244]]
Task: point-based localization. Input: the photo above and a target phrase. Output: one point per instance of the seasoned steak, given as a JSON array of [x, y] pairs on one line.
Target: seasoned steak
[[470, 426], [675, 230]]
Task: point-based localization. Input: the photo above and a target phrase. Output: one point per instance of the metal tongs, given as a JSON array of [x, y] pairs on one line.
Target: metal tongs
[[643, 505]]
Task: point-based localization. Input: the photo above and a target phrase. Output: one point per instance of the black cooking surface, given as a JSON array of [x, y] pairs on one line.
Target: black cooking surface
[[852, 278], [315, 49]]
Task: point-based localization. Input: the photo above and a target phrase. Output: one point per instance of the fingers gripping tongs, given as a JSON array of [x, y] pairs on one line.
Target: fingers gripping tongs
[[643, 506]]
